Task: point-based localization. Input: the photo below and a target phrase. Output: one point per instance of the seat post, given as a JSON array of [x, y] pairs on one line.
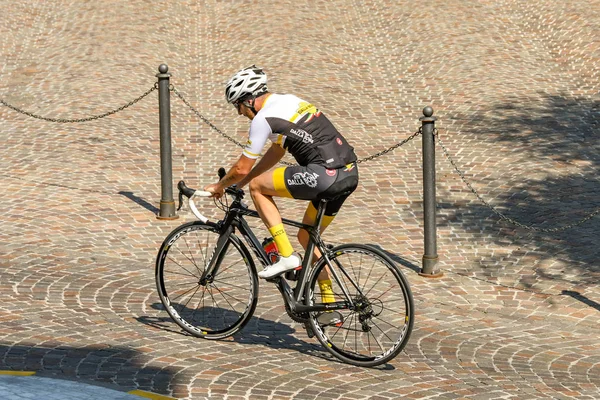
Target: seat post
[[320, 213]]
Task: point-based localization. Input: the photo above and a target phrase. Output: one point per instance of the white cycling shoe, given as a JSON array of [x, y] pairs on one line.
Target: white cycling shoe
[[283, 265]]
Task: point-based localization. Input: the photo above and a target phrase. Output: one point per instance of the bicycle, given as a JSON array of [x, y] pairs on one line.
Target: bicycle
[[208, 283]]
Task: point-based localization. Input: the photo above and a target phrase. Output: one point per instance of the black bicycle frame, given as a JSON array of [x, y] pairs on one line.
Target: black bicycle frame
[[292, 297]]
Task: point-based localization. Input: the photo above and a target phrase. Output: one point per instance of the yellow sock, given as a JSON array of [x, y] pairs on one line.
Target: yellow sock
[[281, 240], [326, 291]]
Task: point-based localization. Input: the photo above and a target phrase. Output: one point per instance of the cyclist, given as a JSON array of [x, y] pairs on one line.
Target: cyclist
[[327, 163]]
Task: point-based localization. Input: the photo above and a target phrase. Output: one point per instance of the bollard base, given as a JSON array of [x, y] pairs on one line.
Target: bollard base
[[167, 211], [158, 216], [438, 274], [428, 270]]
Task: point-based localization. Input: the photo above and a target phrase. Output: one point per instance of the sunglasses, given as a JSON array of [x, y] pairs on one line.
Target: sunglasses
[[237, 105]]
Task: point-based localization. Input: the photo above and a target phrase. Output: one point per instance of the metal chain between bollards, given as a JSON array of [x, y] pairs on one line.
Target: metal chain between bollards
[[220, 132], [204, 119], [394, 147], [95, 117], [501, 215]]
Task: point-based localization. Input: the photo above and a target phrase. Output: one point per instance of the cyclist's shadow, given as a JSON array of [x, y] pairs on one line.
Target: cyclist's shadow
[[258, 331]]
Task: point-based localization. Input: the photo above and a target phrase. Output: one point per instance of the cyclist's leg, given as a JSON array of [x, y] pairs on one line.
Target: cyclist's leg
[[298, 182], [324, 279], [345, 182], [310, 217], [262, 190]]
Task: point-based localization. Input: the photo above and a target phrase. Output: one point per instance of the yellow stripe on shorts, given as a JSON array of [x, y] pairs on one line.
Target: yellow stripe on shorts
[[279, 182]]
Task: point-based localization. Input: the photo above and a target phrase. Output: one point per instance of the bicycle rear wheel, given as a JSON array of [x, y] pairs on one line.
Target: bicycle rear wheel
[[214, 307], [380, 324]]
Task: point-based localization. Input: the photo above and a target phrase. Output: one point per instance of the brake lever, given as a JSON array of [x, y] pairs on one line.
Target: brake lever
[[180, 201]]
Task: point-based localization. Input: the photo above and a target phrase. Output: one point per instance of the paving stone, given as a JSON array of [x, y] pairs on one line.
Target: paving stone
[[515, 87]]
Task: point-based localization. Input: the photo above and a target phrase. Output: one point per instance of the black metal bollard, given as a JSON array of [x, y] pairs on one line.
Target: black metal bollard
[[430, 258], [167, 203]]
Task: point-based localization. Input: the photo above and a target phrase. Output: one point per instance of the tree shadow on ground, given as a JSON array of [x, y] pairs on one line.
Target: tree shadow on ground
[[120, 368], [564, 130]]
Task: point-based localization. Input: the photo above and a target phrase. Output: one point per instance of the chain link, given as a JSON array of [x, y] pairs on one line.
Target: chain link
[[204, 119], [498, 213], [369, 158], [394, 147], [210, 124], [95, 117], [220, 132]]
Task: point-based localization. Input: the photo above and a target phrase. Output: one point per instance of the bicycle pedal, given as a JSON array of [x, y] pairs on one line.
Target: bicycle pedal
[[309, 330]]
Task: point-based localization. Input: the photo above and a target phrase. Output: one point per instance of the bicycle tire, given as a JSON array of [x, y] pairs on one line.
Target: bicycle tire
[[379, 327], [210, 310]]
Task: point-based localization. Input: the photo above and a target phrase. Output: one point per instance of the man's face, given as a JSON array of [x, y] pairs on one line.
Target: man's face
[[243, 109]]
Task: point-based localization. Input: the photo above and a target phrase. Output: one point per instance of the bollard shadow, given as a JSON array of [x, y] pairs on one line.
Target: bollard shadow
[[556, 130], [258, 331], [582, 298], [121, 368], [396, 258], [140, 201]]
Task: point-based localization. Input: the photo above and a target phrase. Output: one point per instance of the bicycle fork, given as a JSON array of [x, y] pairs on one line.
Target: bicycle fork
[[214, 260]]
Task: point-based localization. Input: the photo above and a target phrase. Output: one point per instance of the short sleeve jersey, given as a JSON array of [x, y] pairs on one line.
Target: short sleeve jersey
[[300, 128]]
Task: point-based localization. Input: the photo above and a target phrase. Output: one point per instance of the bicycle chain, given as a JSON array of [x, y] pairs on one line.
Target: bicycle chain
[[498, 213], [95, 117]]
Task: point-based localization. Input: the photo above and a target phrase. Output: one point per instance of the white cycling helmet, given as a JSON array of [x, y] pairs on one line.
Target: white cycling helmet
[[248, 81]]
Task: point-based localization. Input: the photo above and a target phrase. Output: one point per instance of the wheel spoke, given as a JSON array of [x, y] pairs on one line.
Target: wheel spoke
[[182, 267], [373, 280], [232, 285], [237, 262], [225, 298], [385, 322], [227, 303], [347, 333], [191, 258], [191, 297], [375, 284], [186, 292]]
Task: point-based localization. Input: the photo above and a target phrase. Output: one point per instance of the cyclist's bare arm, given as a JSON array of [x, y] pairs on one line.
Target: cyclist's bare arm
[[271, 157], [239, 171]]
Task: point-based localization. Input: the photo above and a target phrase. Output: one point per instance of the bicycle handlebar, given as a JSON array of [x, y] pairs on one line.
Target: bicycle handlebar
[[190, 193]]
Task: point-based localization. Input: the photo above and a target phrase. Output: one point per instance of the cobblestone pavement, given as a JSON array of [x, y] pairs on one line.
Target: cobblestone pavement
[[515, 86]]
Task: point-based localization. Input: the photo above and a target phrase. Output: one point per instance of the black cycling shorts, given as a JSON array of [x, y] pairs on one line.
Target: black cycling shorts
[[315, 182]]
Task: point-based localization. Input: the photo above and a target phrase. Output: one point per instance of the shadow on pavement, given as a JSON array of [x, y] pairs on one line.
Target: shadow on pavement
[[397, 258], [101, 365], [560, 131], [258, 331], [582, 298], [140, 201]]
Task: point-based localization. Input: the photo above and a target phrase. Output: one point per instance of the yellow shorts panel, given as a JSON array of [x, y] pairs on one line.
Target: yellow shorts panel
[[279, 183]]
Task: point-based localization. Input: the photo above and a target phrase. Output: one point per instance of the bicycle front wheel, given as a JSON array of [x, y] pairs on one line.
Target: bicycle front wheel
[[207, 306], [379, 324]]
